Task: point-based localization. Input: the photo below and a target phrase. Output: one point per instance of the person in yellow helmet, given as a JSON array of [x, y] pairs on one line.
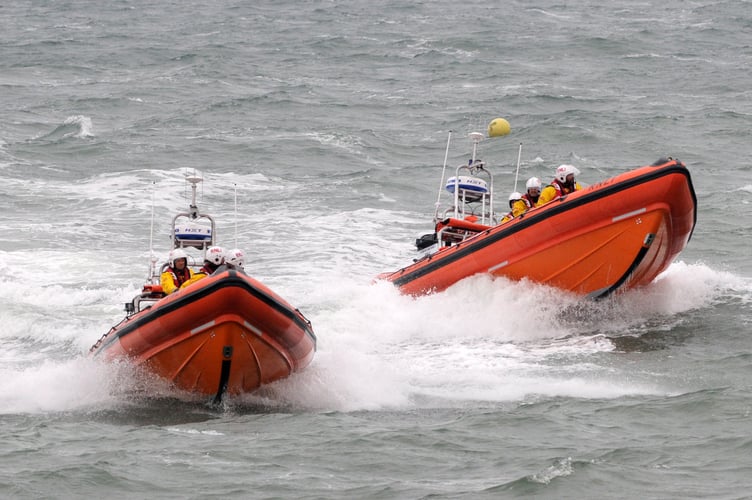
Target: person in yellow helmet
[[564, 183], [215, 257], [177, 271]]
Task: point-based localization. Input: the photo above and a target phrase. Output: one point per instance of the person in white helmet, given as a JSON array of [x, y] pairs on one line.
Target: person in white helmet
[[514, 199], [235, 258], [533, 186], [177, 271], [564, 183], [215, 257], [527, 200]]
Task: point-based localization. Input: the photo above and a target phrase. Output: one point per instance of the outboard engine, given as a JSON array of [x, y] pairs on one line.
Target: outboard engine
[[426, 241]]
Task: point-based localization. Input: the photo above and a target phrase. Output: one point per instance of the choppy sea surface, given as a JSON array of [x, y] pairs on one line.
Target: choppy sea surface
[[320, 128]]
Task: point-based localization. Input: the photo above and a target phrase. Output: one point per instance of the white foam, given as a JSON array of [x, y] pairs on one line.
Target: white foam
[[481, 340], [560, 468], [56, 386], [85, 127], [683, 287]]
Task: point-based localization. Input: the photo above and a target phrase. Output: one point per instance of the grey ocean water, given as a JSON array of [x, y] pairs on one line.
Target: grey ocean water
[[328, 122]]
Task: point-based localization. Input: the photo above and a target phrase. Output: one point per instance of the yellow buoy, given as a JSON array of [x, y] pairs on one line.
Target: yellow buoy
[[498, 127]]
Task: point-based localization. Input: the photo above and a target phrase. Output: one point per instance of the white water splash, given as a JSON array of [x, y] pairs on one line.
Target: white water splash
[[84, 124]]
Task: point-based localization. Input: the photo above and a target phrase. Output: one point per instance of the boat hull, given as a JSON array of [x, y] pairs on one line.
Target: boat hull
[[617, 234], [227, 333]]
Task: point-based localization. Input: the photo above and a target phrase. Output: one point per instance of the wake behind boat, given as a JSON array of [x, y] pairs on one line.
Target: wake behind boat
[[614, 235], [224, 334]]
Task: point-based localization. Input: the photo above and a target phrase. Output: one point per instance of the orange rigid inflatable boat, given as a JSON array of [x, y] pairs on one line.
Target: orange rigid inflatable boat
[[614, 235], [224, 334]]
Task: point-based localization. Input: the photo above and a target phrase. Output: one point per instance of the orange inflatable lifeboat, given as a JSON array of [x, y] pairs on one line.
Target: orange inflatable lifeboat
[[613, 235], [224, 334]]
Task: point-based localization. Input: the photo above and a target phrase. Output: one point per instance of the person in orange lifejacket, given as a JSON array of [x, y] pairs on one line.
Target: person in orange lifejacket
[[177, 273], [215, 257], [564, 183]]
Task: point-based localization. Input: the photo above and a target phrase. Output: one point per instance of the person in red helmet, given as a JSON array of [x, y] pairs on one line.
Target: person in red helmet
[[564, 183], [177, 271]]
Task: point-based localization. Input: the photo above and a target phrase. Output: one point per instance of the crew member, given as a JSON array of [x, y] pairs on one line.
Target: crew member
[[235, 258], [564, 183], [514, 200], [177, 273], [533, 192], [215, 257]]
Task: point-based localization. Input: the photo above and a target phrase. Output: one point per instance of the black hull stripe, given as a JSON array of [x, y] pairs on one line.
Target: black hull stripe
[[232, 280], [224, 376], [636, 262], [536, 217]]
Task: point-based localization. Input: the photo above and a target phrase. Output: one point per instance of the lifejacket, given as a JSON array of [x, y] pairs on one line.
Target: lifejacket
[[202, 273], [208, 268], [529, 201], [509, 216], [560, 189], [179, 277]]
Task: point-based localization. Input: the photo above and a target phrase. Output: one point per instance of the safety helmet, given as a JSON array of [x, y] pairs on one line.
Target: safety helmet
[[533, 182], [235, 257], [514, 197], [175, 254], [562, 171], [215, 255]]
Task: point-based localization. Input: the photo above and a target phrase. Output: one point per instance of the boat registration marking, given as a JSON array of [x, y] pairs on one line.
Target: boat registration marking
[[253, 329], [202, 327], [498, 266], [629, 214]]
